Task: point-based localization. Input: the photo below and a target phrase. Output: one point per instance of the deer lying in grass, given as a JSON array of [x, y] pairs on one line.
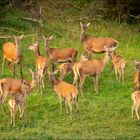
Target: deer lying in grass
[[136, 103], [119, 64], [12, 52], [94, 44], [91, 68], [41, 65], [18, 89], [137, 76], [66, 91], [57, 55], [64, 69]]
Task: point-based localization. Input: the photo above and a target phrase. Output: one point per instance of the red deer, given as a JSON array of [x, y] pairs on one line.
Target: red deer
[[136, 103], [41, 65], [137, 76], [119, 64], [57, 55], [12, 52], [95, 44], [66, 91], [18, 89], [91, 68]]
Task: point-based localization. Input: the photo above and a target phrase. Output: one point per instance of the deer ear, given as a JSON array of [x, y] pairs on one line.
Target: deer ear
[[31, 71], [21, 36], [81, 24], [88, 24], [51, 37], [136, 62]]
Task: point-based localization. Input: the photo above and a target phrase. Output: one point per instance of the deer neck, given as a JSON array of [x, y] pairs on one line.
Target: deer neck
[[32, 84], [37, 52], [83, 36], [18, 48], [54, 81], [105, 59], [48, 49]]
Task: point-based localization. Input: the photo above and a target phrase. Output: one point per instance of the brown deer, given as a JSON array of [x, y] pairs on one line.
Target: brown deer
[[66, 91], [12, 53], [91, 68], [64, 69], [41, 65], [136, 103], [95, 44], [137, 76], [18, 89], [119, 64], [57, 55]]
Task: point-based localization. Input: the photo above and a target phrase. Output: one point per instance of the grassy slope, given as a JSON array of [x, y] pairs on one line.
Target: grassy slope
[[106, 115]]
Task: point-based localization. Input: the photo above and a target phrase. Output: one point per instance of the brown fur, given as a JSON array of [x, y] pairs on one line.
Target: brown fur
[[137, 76], [91, 68], [66, 91], [119, 64], [94, 44], [136, 103], [57, 55], [41, 65], [12, 53]]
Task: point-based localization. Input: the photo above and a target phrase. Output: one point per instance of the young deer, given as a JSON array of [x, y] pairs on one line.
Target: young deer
[[119, 64], [64, 69], [94, 44], [41, 65], [136, 103], [57, 55], [12, 52], [66, 91], [137, 76], [91, 68], [18, 89]]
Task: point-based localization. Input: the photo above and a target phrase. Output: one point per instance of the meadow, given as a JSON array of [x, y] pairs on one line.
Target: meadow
[[103, 116]]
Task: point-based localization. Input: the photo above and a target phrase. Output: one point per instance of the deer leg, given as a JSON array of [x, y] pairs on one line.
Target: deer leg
[[96, 83], [70, 106], [120, 74], [116, 73], [20, 67], [136, 111], [53, 66], [3, 61], [12, 68], [123, 75], [132, 111], [76, 99], [82, 79], [60, 105], [75, 78], [66, 106]]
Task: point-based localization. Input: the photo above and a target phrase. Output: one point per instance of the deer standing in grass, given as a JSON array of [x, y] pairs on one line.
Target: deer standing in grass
[[95, 44], [64, 69], [136, 103], [12, 53], [57, 55], [66, 91], [90, 68], [41, 65], [18, 89], [137, 76], [119, 64]]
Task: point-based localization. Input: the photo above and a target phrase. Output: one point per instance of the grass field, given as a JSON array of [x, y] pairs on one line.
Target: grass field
[[103, 116]]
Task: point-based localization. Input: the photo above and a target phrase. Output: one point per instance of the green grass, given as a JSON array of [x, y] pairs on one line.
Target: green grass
[[103, 116]]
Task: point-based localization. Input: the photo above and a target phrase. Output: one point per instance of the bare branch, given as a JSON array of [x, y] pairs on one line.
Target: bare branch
[[11, 29]]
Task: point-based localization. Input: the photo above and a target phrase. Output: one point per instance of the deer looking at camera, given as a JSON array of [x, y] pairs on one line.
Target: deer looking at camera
[[41, 65], [95, 44], [119, 64], [66, 91], [12, 53], [136, 103], [18, 89], [137, 76], [90, 68], [57, 55]]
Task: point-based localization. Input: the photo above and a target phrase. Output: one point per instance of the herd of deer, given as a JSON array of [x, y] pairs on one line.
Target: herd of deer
[[18, 89]]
